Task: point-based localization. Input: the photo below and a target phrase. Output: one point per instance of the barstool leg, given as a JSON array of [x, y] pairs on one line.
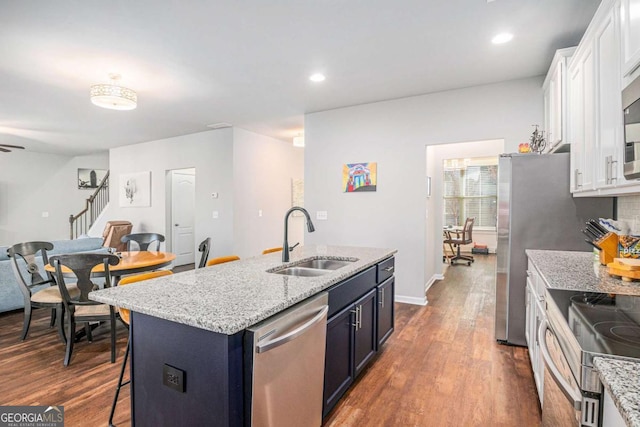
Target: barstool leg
[[120, 385]]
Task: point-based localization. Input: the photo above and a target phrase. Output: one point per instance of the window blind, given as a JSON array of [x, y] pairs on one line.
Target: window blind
[[471, 192]]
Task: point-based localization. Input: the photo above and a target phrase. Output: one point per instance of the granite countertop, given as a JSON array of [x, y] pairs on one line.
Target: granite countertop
[[230, 297], [578, 271], [621, 378]]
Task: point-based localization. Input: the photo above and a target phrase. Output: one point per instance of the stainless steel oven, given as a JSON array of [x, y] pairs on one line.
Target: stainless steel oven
[[631, 109], [580, 326]]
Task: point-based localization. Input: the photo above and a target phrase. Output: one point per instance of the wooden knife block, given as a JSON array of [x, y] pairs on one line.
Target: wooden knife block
[[608, 248]]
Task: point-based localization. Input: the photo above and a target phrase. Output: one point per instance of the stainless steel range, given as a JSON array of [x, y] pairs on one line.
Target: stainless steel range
[[580, 326]]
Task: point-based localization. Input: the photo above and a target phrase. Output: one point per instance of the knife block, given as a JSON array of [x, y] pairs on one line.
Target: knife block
[[608, 245]]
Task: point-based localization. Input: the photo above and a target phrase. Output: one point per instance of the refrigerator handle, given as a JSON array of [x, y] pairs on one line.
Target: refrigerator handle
[[271, 344]]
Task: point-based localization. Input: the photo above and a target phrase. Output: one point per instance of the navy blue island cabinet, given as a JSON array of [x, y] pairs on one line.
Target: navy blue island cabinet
[[186, 376], [361, 318]]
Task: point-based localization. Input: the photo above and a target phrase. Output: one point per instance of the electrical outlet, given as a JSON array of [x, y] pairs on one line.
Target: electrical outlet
[[215, 215], [259, 212], [173, 378], [45, 214], [321, 215], [214, 195]]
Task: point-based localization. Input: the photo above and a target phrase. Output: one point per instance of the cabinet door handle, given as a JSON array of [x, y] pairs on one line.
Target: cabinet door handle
[[381, 295], [355, 312], [613, 178], [389, 269]]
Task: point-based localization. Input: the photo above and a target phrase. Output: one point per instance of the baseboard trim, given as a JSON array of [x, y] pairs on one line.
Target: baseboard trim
[[433, 280], [411, 300]]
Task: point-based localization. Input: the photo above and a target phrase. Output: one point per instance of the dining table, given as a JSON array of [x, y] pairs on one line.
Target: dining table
[[132, 262]]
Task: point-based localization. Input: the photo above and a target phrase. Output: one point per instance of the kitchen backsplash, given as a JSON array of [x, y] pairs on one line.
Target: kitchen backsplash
[[629, 210]]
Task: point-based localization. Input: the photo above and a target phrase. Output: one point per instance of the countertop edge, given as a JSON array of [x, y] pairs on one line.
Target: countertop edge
[[190, 320], [630, 415]]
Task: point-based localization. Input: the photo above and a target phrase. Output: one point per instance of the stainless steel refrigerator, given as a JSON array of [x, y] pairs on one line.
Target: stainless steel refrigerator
[[535, 211]]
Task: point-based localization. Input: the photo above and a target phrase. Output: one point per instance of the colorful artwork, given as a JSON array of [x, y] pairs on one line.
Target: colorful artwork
[[358, 177]]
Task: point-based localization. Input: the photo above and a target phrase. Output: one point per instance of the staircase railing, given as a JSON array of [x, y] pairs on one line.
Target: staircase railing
[[81, 223]]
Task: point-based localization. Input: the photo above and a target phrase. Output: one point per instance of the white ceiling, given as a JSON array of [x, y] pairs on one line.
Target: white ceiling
[[247, 62]]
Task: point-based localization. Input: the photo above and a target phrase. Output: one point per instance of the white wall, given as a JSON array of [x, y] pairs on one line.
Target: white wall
[[211, 154], [395, 133], [32, 183], [263, 168], [436, 154], [250, 172]]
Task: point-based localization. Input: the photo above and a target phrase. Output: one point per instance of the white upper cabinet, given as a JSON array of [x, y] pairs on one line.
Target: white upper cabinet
[[555, 101], [608, 154], [581, 123], [630, 30], [595, 106]]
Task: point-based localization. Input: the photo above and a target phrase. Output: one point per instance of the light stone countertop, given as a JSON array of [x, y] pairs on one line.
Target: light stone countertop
[[621, 378], [230, 297], [578, 271]]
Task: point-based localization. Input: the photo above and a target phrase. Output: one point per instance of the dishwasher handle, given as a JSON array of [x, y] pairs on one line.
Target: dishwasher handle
[[574, 397], [271, 344]]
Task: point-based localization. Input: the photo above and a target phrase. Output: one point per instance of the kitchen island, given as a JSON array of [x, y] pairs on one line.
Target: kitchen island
[[194, 324]]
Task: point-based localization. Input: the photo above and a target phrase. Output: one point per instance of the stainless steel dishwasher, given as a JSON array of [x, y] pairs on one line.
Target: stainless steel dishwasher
[[286, 366]]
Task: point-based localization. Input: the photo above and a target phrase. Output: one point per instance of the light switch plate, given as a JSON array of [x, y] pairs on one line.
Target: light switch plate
[[215, 214]]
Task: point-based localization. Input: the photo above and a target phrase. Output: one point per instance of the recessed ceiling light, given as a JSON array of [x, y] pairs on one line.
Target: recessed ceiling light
[[317, 77], [502, 38]]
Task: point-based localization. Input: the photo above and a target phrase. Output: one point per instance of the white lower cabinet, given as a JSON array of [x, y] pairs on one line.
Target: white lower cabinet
[[534, 314]]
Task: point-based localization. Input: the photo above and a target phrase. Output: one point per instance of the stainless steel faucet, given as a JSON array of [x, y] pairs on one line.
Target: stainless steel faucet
[[310, 228]]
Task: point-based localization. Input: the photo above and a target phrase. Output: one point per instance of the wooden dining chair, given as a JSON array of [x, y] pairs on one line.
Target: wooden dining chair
[[204, 248], [81, 309], [38, 291], [144, 240], [125, 315], [222, 260], [271, 250]]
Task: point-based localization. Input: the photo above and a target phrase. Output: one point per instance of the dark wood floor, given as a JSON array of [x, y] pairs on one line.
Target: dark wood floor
[[441, 367]]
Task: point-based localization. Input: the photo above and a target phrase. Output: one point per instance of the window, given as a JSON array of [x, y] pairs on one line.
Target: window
[[470, 191]]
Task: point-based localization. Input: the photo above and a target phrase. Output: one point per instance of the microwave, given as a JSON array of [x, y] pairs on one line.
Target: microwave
[[631, 117]]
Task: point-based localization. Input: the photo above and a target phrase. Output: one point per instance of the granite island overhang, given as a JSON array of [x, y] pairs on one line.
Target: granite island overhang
[[195, 321]]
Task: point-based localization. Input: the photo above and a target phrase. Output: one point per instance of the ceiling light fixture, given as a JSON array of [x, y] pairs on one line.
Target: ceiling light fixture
[[112, 96], [502, 38], [317, 77], [298, 141]]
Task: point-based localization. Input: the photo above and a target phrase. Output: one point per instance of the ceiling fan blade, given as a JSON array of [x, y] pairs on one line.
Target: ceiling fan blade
[[12, 146], [5, 150]]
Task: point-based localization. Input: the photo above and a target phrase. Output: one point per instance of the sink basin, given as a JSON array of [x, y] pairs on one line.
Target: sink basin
[[312, 267], [323, 264], [302, 271]]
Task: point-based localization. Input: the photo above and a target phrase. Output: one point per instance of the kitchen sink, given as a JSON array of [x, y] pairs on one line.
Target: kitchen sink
[[312, 267], [302, 272], [323, 264]]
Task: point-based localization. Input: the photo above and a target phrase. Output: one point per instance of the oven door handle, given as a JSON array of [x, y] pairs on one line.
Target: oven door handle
[[574, 396]]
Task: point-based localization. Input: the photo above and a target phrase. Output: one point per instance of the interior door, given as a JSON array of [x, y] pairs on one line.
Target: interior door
[[183, 184]]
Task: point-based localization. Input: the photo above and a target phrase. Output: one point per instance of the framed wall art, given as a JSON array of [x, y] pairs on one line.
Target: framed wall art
[[134, 189], [359, 177], [90, 178]]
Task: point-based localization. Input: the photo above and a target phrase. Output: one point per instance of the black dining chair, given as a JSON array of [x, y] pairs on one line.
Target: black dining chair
[[38, 291], [204, 247], [82, 309], [144, 240]]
